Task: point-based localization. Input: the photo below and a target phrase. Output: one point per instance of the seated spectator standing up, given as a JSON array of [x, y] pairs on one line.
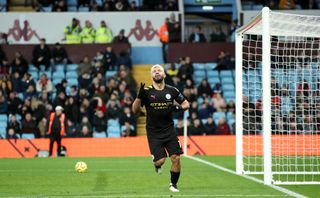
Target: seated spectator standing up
[[14, 124], [88, 33], [59, 55], [110, 58], [128, 130], [72, 32], [174, 29], [103, 33], [41, 55], [11, 134], [196, 128], [186, 69], [197, 36]]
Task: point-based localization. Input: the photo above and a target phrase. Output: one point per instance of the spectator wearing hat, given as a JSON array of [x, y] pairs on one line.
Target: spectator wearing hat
[[56, 128]]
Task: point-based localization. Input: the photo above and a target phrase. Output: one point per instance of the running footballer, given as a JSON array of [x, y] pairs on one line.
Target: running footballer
[[159, 100]]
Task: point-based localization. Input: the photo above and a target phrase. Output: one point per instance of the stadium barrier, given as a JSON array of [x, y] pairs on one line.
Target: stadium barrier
[[115, 147]]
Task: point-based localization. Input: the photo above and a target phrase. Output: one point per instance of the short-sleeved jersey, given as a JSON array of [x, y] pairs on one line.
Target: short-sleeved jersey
[[158, 104]]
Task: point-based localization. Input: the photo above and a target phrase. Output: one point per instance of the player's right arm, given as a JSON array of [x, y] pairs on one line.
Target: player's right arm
[[137, 102]]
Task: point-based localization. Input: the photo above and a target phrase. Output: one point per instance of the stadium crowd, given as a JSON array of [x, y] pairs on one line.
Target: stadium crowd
[[98, 97]]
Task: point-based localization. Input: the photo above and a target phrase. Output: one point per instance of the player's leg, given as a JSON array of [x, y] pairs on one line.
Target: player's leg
[[51, 145], [58, 139], [158, 154], [174, 149]]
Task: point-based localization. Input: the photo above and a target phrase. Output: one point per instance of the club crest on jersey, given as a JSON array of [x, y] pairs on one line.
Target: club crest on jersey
[[168, 96]]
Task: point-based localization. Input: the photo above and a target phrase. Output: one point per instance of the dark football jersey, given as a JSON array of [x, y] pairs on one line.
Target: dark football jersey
[[158, 104]]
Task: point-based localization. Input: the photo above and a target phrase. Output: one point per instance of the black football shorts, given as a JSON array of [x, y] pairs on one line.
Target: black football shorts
[[161, 148]]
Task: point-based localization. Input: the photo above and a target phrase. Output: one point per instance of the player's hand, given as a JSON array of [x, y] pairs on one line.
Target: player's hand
[[141, 91], [177, 108]]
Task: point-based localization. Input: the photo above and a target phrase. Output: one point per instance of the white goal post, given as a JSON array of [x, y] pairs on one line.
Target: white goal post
[[278, 98]]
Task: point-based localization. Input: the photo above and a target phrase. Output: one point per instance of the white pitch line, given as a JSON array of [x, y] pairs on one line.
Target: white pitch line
[[171, 195], [284, 190]]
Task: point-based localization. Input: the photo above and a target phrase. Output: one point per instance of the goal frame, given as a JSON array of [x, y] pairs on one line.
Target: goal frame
[[264, 18]]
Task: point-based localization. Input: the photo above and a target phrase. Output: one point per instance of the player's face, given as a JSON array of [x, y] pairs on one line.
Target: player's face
[[157, 74]]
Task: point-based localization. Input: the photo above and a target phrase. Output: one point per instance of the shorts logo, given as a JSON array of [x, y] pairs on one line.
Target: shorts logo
[[168, 96]]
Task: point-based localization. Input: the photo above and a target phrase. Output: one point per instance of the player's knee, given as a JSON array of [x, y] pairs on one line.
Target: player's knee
[[160, 162], [175, 159]]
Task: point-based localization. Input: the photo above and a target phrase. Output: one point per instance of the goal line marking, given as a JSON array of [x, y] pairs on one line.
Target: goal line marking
[[284, 190]]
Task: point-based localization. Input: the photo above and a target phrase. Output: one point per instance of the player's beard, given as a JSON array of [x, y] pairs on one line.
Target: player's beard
[[158, 80]]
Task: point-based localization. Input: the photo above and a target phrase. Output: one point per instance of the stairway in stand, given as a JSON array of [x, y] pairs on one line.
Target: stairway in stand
[[142, 74]]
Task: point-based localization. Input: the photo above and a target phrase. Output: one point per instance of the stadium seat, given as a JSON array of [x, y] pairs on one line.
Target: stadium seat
[[204, 121], [285, 105], [257, 7], [72, 9], [230, 115], [3, 118], [99, 134], [99, 2], [228, 87], [18, 116], [229, 94], [225, 73], [56, 81], [230, 99], [27, 136], [73, 81], [212, 74], [199, 73], [198, 66], [32, 68], [175, 122], [2, 133], [3, 2], [72, 3], [110, 74], [113, 131], [47, 9], [218, 115], [177, 65], [34, 74], [198, 79], [214, 80], [227, 80], [59, 68], [71, 74], [83, 9], [58, 74], [113, 123], [49, 75], [231, 122], [42, 68], [72, 67], [210, 66]]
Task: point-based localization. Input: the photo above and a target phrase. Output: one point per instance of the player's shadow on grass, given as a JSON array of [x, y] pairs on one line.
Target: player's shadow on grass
[[101, 182]]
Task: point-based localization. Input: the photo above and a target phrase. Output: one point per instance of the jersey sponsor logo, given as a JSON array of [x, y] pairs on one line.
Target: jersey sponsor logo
[[160, 105], [168, 96]]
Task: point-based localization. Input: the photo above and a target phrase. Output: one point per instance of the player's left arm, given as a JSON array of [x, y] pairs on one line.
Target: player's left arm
[[183, 102]]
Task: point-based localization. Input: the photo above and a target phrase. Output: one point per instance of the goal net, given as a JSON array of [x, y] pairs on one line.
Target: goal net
[[278, 98]]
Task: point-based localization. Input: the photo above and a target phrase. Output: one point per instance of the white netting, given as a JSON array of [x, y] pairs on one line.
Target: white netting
[[295, 98]]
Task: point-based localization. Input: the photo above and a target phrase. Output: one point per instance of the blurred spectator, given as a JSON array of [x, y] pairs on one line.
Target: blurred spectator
[[60, 100], [98, 68], [303, 88], [41, 55], [231, 107], [120, 5], [62, 86], [110, 58], [103, 34], [59, 6], [174, 29], [287, 4], [26, 108], [87, 34], [72, 129], [72, 32], [190, 91], [164, 39], [84, 80], [113, 109], [29, 93], [127, 76], [172, 5], [3, 58], [44, 84], [84, 3], [12, 134], [58, 55], [5, 84], [99, 123], [85, 122], [133, 6], [219, 103], [14, 124], [310, 4], [14, 103], [27, 80], [3, 103], [196, 128], [217, 89], [205, 111], [128, 130], [224, 61], [233, 27], [120, 38], [127, 116], [72, 110], [186, 69], [85, 66], [42, 3], [124, 59], [42, 126], [197, 36], [223, 127], [29, 126], [16, 83], [204, 89], [19, 64], [217, 35], [193, 108], [210, 126], [108, 5], [172, 71], [85, 132]]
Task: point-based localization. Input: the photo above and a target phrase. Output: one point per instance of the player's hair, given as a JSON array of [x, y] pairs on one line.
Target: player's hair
[[155, 66]]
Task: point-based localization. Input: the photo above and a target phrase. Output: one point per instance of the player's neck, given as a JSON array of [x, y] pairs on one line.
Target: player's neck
[[158, 86]]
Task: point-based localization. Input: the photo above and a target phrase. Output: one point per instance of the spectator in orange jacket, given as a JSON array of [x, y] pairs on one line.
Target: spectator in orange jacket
[[164, 38]]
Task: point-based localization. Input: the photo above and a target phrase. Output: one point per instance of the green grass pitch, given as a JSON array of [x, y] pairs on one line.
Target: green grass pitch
[[129, 177]]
